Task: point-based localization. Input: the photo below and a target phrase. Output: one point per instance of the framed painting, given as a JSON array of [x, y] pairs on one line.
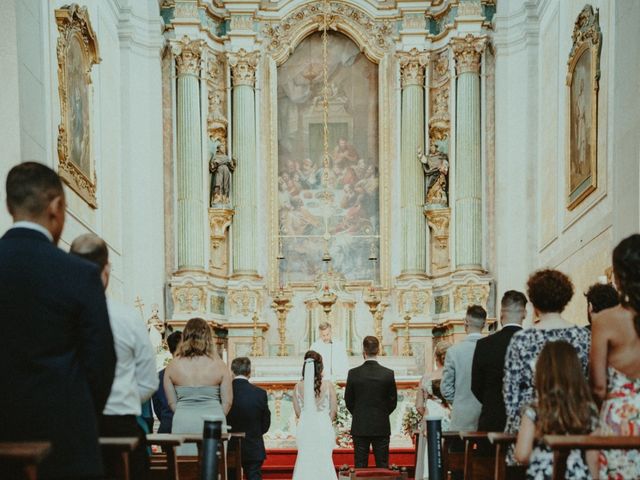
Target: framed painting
[[582, 97], [77, 51]]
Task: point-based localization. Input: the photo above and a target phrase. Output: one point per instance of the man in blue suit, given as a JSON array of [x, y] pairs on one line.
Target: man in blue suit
[[58, 354], [250, 414]]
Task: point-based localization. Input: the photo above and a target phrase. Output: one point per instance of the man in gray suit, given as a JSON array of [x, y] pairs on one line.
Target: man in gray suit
[[456, 376]]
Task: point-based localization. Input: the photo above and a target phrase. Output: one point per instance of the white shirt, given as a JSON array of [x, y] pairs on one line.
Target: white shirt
[[33, 226], [136, 379], [334, 358]]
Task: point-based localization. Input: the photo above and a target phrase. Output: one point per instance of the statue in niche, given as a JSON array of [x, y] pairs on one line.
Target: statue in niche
[[436, 169], [221, 167]]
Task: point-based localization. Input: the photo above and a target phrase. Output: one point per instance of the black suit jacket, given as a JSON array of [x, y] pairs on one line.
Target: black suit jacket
[[371, 396], [487, 374], [250, 414], [57, 352]]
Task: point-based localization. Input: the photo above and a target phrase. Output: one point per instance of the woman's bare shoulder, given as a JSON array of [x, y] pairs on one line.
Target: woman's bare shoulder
[[617, 315]]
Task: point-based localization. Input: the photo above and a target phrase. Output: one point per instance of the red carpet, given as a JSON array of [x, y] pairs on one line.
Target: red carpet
[[279, 463]]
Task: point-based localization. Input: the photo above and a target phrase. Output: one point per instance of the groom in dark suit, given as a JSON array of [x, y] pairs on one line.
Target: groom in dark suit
[[58, 356], [371, 396], [487, 370], [249, 414]]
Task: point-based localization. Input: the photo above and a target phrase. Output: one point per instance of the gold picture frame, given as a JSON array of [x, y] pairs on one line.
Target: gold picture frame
[[582, 106], [77, 52]]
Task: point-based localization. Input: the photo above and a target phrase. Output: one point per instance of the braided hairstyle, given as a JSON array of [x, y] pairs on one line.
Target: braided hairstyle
[[317, 370], [626, 268]]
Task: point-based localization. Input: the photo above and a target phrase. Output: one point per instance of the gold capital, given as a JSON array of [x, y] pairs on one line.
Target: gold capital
[[468, 53], [188, 55], [243, 67], [412, 67]]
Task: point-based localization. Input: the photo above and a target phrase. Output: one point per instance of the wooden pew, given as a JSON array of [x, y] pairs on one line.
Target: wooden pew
[[561, 446], [168, 442], [451, 461], [502, 471], [116, 451], [476, 466], [23, 457]]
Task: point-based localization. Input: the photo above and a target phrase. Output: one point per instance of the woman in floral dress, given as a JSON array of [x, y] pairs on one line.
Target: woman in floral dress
[[549, 292], [615, 363], [564, 406]]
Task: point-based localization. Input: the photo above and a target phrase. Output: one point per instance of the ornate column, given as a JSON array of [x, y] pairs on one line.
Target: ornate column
[[468, 168], [414, 241], [245, 183], [191, 201]]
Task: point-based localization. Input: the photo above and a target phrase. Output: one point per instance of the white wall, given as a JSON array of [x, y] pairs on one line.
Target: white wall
[[534, 227], [126, 129]]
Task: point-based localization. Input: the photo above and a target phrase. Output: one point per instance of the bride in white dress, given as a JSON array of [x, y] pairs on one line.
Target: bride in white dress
[[314, 402]]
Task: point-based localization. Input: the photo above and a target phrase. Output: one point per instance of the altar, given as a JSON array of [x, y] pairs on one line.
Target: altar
[[278, 377], [347, 154]]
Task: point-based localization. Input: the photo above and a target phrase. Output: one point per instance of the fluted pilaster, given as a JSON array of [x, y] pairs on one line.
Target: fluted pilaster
[[468, 201], [414, 238], [191, 201], [245, 181]]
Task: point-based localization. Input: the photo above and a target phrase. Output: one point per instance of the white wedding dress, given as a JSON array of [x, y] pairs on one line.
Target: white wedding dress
[[315, 436]]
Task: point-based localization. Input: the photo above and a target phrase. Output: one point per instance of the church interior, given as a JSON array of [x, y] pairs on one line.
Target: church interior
[[379, 165]]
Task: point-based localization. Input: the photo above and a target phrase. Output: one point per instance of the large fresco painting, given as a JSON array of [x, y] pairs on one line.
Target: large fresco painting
[[337, 199]]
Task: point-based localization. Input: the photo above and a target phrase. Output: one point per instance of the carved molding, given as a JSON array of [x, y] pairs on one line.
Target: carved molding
[[241, 22], [414, 301], [467, 52], [217, 119], [374, 37], [412, 67], [219, 221], [438, 221], [188, 55], [469, 9], [470, 294], [189, 298], [243, 67], [245, 301], [77, 52], [587, 30]]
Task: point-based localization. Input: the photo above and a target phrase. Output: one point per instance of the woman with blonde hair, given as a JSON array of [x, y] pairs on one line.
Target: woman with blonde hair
[[197, 382]]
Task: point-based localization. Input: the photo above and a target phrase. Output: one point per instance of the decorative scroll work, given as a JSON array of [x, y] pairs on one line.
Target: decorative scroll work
[[188, 56], [468, 53], [438, 221], [373, 36], [77, 52], [412, 67], [243, 67], [470, 294], [440, 118]]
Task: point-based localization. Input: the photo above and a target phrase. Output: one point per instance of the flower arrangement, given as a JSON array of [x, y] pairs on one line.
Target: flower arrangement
[[342, 423], [410, 420]]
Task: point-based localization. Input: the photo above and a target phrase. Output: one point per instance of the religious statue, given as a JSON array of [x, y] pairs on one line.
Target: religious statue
[[221, 167], [436, 169]]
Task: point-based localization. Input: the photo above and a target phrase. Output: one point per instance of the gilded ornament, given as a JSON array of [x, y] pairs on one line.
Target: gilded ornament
[[243, 67], [189, 298], [412, 67], [438, 221], [470, 294], [467, 52], [188, 55]]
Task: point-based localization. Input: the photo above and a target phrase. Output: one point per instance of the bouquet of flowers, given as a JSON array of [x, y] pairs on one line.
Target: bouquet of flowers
[[410, 420], [342, 423]]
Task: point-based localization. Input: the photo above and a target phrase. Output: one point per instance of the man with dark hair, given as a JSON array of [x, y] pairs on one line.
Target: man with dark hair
[[136, 379], [58, 354], [456, 374], [250, 414], [487, 371], [600, 296], [371, 396], [160, 404]]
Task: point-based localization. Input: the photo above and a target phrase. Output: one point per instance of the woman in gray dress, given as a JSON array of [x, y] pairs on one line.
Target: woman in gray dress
[[197, 382]]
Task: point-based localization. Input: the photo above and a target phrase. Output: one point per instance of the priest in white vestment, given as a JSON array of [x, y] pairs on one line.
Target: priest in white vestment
[[334, 354]]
